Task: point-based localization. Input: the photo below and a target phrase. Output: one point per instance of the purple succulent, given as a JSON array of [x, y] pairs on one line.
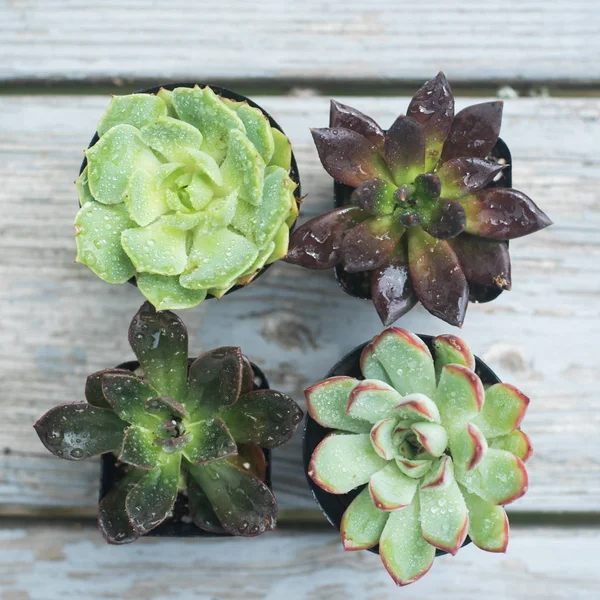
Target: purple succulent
[[423, 222]]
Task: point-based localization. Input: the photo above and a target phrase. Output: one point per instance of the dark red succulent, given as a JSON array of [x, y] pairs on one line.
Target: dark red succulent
[[424, 221]]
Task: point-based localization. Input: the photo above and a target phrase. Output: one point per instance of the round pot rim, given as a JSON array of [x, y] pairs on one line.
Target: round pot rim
[[231, 95], [333, 505]]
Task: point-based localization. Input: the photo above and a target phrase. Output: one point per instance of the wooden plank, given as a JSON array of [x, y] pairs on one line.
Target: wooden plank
[[302, 41], [58, 562], [59, 322]]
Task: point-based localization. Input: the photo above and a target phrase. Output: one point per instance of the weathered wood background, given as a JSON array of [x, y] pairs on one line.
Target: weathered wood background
[[58, 322]]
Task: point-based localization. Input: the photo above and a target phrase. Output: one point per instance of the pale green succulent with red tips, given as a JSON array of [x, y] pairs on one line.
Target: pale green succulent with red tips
[[177, 428], [440, 454], [188, 192]]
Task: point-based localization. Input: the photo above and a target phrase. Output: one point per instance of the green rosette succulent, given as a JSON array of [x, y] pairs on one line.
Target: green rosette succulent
[[197, 430], [187, 192], [440, 453]]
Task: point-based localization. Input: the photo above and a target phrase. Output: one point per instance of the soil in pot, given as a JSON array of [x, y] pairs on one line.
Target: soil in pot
[[180, 523], [333, 506]]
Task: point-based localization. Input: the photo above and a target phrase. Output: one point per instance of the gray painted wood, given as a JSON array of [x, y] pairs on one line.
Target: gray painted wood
[[70, 562], [304, 40], [59, 322]]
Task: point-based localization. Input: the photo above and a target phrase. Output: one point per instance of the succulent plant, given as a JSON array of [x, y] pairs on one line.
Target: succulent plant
[[188, 192], [197, 429], [440, 454], [422, 220]]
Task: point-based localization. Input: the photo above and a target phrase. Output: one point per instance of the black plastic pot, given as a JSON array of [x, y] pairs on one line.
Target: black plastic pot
[[220, 91], [333, 506], [179, 524], [358, 284]]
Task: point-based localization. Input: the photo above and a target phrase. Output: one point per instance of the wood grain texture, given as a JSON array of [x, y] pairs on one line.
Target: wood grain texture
[[66, 562], [300, 40], [59, 322]]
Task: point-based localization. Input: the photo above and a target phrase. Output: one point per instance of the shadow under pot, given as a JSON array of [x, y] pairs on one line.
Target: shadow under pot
[[234, 97], [180, 523], [358, 284], [333, 506]]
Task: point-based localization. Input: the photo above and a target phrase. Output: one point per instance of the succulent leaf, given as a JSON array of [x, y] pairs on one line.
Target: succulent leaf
[[486, 265], [144, 200], [503, 214], [362, 523], [282, 151], [243, 168], [447, 220], [201, 510], [139, 448], [165, 292], [500, 478], [348, 156], [459, 395], [391, 289], [259, 131], [433, 108], [372, 400], [474, 131], [210, 440], [418, 407], [330, 469], [414, 467], [468, 446], [243, 504], [375, 196], [157, 248], [503, 410], [169, 137], [516, 442], [432, 437], [405, 150], [327, 402], [127, 394], [444, 515], [406, 360], [370, 366], [165, 407], [218, 259], [98, 230], [405, 554], [488, 523], [83, 188], [215, 381], [113, 520], [463, 176], [80, 430], [449, 349], [203, 109], [93, 387], [151, 501], [136, 110], [346, 117], [437, 278], [159, 341], [265, 417], [113, 160], [382, 438], [391, 489], [369, 244], [318, 243]]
